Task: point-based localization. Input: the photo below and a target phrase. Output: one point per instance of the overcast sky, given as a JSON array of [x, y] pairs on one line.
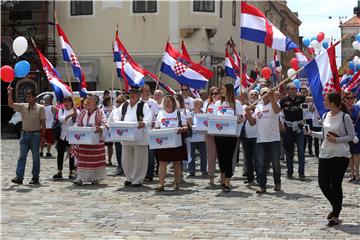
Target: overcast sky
[[315, 14]]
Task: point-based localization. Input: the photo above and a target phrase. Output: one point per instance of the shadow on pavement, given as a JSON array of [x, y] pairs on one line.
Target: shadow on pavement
[[349, 228], [87, 186], [234, 194], [134, 189], [171, 192]]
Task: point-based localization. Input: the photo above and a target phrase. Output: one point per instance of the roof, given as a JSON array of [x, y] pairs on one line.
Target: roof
[[352, 22]]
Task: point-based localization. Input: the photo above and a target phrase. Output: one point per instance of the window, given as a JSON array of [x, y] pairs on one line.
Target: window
[[78, 8], [204, 6], [20, 15], [234, 13], [257, 51], [221, 8], [144, 6]]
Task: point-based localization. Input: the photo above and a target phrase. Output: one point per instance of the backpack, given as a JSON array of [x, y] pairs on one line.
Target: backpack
[[139, 110]]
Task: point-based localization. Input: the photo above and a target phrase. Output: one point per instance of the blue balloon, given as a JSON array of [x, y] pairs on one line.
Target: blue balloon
[[325, 44], [306, 42], [257, 89], [357, 37], [313, 38], [22, 68], [351, 65], [357, 67], [297, 83]]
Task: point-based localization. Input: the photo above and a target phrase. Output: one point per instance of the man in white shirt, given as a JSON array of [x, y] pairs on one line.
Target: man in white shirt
[[266, 118], [189, 102], [134, 153], [154, 108]]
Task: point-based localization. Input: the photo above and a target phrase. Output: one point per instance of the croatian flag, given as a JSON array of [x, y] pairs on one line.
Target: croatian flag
[[232, 70], [184, 51], [300, 56], [277, 67], [131, 72], [185, 71], [354, 83], [69, 56], [323, 77], [257, 28], [60, 88]]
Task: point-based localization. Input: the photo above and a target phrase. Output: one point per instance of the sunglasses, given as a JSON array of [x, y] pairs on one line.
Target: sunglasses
[[292, 88], [350, 98], [215, 93], [184, 90]]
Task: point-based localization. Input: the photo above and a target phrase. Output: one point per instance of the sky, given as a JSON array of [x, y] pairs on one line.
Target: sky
[[314, 15]]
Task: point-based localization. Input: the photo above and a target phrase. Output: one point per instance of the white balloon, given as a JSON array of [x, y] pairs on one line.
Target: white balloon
[[291, 73], [315, 44], [20, 46], [356, 45], [356, 60], [327, 39]]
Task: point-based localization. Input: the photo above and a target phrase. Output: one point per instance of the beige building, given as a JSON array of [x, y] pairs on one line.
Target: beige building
[[145, 26], [352, 27]]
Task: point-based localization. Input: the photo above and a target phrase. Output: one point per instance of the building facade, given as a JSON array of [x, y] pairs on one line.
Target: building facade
[[145, 26]]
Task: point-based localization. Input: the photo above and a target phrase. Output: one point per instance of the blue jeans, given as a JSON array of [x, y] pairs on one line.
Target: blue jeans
[[29, 141], [249, 145], [203, 162], [265, 151], [151, 164], [290, 139]]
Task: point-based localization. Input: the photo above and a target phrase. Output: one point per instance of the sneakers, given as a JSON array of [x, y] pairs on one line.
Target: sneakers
[[58, 175], [127, 183], [95, 182], [48, 155], [277, 187], [17, 180], [78, 182], [34, 181], [261, 190]]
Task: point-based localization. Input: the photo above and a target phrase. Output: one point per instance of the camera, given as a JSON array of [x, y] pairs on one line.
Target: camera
[[304, 106], [307, 127]]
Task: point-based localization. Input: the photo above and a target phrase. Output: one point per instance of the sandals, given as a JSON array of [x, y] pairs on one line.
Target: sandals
[[333, 223], [58, 175], [160, 188]]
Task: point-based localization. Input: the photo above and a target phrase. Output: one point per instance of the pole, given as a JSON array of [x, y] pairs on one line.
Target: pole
[[277, 86], [289, 77]]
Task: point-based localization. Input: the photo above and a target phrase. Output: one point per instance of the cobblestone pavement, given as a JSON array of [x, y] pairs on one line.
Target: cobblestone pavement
[[60, 210]]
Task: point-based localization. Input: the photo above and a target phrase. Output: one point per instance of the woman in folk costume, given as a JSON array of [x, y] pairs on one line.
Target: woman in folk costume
[[91, 158]]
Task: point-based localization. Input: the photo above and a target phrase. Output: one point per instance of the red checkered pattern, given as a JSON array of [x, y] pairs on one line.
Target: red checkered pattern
[[74, 61], [329, 87], [179, 68], [48, 74]]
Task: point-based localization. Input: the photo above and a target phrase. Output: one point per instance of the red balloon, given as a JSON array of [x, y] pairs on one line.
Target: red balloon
[[320, 36], [294, 64], [311, 51], [7, 73], [266, 73]]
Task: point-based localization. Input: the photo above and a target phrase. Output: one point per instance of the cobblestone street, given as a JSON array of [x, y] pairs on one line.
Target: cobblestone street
[[61, 210]]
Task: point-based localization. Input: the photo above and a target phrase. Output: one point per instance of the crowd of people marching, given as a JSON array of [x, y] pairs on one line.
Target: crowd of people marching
[[271, 128]]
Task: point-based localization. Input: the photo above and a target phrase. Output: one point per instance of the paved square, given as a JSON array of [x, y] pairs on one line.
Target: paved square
[[60, 210]]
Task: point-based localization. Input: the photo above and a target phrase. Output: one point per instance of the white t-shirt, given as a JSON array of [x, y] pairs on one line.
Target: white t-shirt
[[208, 108], [267, 123], [250, 131], [224, 108], [49, 115], [154, 107], [169, 120], [189, 103]]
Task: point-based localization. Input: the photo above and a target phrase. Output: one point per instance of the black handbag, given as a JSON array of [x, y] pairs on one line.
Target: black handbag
[[56, 128], [189, 131]]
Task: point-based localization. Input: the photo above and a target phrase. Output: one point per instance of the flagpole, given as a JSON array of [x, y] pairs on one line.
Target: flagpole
[[66, 64]]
